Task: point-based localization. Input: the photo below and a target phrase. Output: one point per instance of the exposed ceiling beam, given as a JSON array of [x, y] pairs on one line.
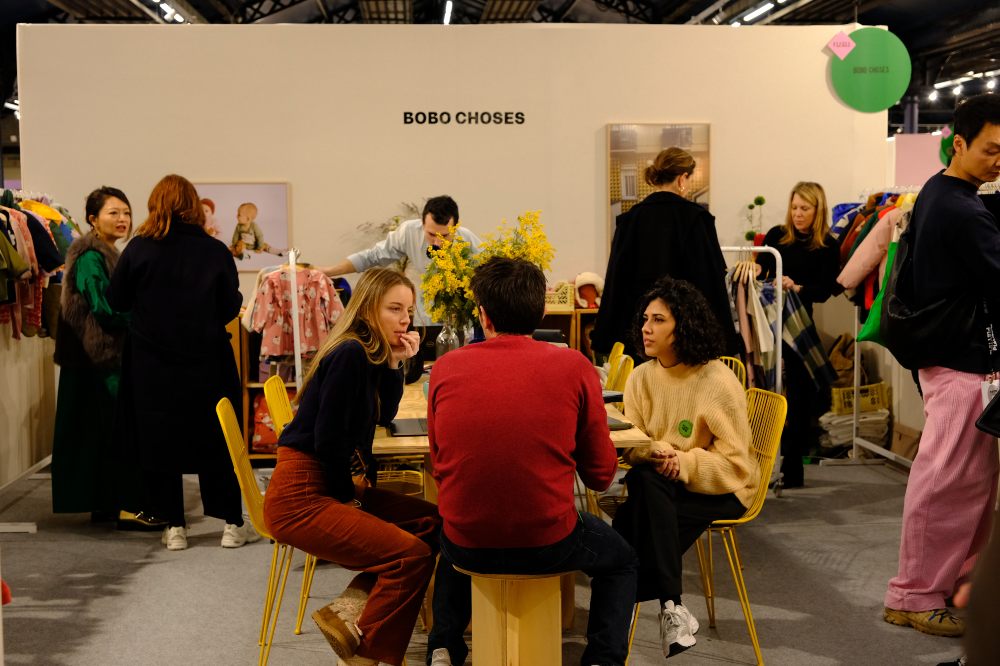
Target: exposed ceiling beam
[[190, 14], [147, 10], [631, 9]]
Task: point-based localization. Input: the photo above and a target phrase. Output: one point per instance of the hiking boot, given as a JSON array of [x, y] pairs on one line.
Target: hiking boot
[[936, 622]]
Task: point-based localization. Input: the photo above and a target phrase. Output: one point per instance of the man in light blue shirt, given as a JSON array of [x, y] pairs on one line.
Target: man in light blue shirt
[[412, 239]]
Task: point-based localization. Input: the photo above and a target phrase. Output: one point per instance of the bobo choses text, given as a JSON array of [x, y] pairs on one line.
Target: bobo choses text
[[463, 117]]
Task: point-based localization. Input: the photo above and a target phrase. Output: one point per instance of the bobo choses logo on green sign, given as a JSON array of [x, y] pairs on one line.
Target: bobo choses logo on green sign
[[874, 74]]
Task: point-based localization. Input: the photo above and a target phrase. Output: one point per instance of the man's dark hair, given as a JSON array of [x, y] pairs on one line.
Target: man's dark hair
[[697, 335], [512, 292], [442, 210], [972, 114]]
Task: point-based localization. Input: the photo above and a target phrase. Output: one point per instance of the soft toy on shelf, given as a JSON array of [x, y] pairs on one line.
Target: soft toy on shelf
[[589, 287]]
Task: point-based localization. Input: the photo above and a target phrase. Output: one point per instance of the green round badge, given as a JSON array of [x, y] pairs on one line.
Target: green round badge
[[875, 74], [685, 428]]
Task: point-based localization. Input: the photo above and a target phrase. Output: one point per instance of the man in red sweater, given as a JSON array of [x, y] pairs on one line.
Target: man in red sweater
[[511, 421]]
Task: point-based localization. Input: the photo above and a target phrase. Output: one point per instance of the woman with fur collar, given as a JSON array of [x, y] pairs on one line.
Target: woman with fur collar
[[87, 472]]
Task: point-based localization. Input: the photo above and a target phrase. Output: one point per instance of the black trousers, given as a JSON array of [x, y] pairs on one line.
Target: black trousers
[[220, 496], [805, 404], [661, 519]]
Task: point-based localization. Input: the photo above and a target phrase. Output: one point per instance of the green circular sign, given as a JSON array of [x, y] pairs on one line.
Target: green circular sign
[[875, 74]]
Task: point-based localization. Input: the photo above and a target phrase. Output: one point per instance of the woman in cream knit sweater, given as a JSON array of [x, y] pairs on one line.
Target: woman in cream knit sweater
[[698, 467]]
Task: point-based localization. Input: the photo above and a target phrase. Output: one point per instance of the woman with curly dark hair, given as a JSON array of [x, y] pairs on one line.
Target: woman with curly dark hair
[[697, 468]]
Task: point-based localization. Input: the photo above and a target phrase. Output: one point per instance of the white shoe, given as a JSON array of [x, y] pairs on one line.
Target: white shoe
[[440, 657], [175, 538], [234, 537], [691, 620], [675, 629]]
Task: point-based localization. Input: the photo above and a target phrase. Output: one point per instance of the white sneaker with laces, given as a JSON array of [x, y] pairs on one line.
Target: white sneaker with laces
[[691, 620], [234, 537], [440, 657], [175, 538], [675, 629]]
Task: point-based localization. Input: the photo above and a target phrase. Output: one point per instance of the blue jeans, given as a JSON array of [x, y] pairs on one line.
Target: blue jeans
[[593, 547]]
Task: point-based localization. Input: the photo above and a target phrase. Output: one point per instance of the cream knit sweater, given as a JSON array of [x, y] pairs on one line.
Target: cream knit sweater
[[700, 412]]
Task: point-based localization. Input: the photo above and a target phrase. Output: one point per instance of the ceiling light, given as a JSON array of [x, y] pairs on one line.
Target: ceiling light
[[736, 24], [447, 13], [899, 130], [13, 106], [760, 11], [890, 138], [178, 18], [933, 96], [936, 133], [17, 114], [957, 90], [991, 84]]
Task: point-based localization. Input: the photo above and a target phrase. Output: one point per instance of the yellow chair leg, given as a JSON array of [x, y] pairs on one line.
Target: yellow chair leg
[[707, 566], [284, 565], [268, 594], [631, 631], [308, 569], [741, 589]]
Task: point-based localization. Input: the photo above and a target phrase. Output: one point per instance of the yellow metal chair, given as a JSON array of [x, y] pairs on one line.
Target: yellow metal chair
[[767, 412], [609, 503], [281, 557], [280, 408], [736, 365], [617, 350]]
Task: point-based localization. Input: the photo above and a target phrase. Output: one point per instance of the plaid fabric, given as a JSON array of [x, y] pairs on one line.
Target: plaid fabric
[[801, 336]]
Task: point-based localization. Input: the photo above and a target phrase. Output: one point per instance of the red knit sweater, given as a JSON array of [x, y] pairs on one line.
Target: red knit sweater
[[510, 421]]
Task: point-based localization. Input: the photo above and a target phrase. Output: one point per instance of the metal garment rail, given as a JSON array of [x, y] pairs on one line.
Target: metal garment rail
[[778, 292], [856, 441], [293, 260]]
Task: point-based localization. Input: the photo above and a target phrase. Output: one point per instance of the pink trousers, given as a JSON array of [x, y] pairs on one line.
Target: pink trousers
[[949, 496]]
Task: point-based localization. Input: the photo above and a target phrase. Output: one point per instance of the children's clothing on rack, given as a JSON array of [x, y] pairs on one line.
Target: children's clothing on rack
[[318, 304]]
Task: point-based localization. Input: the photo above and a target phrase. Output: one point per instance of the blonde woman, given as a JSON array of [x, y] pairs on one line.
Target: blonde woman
[[810, 264], [315, 504]]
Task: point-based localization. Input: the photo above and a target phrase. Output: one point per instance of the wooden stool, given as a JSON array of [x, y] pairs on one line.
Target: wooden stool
[[516, 618]]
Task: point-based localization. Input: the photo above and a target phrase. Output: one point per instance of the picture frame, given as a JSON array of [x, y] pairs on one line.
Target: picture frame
[[262, 208], [633, 146]]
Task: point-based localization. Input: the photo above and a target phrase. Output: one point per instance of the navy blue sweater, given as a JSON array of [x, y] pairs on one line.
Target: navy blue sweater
[[339, 409], [956, 253]]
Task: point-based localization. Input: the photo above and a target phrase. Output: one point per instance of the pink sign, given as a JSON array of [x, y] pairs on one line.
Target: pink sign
[[841, 44]]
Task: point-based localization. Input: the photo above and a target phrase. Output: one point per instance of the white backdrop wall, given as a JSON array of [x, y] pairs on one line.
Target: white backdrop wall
[[321, 107]]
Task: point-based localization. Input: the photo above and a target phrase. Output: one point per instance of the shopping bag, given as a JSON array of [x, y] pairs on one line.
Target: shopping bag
[[871, 331]]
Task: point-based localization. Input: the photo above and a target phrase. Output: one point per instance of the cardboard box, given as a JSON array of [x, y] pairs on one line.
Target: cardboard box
[[905, 441]]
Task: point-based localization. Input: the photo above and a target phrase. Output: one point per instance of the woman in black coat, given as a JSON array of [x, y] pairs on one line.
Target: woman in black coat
[[664, 234], [181, 288]]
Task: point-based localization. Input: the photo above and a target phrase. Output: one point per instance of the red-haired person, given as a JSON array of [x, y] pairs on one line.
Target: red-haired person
[[211, 225], [181, 288]]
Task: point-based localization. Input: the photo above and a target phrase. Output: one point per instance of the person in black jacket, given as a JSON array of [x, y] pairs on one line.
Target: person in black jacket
[[322, 497], [952, 486], [664, 234], [810, 265], [180, 287]]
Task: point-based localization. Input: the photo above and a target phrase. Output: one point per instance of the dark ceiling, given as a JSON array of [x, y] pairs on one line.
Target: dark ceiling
[[947, 39]]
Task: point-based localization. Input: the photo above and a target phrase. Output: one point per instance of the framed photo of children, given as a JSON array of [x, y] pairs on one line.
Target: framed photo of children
[[252, 219], [634, 146]]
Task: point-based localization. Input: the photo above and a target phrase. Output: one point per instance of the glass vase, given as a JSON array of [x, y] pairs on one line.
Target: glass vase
[[447, 339]]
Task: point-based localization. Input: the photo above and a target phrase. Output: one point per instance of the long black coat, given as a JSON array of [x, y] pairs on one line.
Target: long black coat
[[664, 234], [181, 291]]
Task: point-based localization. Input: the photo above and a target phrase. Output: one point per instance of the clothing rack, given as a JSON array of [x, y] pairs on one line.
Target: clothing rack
[[778, 292], [858, 442], [293, 260]]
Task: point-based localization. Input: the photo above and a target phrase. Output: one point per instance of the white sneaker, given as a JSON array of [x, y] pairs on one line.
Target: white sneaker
[[675, 629], [175, 538], [234, 537], [691, 620], [440, 657]]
